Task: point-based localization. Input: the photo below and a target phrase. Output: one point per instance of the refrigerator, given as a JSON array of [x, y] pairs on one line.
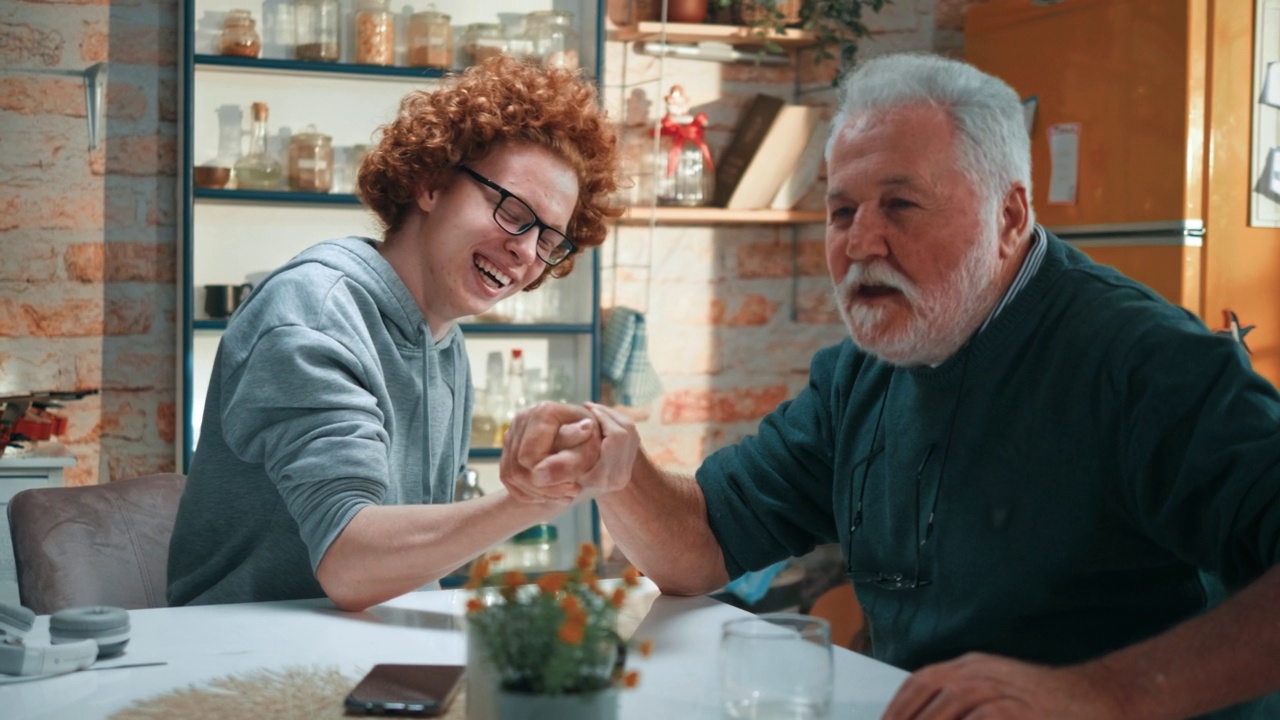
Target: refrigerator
[[1115, 93]]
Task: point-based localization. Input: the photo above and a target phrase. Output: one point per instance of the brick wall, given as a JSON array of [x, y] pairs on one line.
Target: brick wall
[[88, 266], [731, 329]]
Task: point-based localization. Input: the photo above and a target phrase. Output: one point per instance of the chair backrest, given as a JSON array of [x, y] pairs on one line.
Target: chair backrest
[[95, 545], [839, 606]]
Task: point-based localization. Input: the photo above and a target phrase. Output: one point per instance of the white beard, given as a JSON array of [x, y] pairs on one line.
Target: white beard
[[941, 322]]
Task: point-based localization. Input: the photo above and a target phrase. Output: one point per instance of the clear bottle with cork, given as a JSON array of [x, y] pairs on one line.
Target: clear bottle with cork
[[516, 399], [375, 33], [258, 170], [430, 39], [239, 35], [317, 28]]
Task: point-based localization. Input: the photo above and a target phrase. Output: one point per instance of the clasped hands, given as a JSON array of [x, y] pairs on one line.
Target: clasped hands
[[561, 452]]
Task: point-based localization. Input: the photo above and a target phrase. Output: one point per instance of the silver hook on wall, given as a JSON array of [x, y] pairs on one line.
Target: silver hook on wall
[[95, 83]]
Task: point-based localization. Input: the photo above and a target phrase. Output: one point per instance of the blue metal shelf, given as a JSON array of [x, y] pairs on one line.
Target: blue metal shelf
[[276, 197], [474, 329], [314, 68], [486, 452]]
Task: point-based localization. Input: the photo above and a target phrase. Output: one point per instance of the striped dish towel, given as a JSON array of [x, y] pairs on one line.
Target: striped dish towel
[[625, 361]]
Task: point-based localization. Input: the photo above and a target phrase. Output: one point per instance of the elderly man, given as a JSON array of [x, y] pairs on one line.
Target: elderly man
[[1027, 458]]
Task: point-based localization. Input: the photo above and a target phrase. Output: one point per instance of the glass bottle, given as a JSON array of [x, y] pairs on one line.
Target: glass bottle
[[430, 39], [553, 38], [516, 400], [239, 35], [375, 33], [258, 170], [311, 161], [484, 40], [685, 175], [317, 30]]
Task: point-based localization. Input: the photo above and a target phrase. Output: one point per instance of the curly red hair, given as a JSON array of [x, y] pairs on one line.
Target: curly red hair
[[500, 100]]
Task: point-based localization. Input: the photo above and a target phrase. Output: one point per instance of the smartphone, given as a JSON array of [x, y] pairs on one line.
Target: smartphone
[[410, 690]]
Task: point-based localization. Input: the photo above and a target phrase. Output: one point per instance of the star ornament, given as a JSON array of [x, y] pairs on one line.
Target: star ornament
[[1234, 331]]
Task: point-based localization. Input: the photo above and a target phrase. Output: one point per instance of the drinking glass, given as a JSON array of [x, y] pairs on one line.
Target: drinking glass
[[776, 665]]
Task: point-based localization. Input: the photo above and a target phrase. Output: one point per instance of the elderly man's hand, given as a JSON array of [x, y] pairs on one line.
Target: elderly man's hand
[[547, 450], [988, 687]]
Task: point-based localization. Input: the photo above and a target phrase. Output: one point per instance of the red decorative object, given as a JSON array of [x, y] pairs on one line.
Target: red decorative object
[[693, 131], [26, 417]]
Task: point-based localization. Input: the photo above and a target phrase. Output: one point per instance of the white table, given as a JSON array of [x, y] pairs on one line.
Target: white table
[[198, 644]]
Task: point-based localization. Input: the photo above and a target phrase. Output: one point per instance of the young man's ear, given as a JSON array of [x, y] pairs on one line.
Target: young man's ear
[[427, 196]]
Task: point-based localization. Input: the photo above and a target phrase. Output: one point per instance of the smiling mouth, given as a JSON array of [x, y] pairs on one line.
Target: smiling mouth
[[492, 275]]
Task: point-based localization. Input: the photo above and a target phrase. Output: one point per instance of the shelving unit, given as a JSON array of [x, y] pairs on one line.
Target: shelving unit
[[229, 235], [703, 32], [717, 216]]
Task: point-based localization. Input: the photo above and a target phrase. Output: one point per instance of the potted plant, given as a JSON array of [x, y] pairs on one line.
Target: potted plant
[[550, 648], [835, 24]]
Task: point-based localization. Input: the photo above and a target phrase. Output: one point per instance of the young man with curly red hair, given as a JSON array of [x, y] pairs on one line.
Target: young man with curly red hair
[[338, 414]]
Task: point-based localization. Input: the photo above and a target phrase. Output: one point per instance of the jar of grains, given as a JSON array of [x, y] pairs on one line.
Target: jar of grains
[[485, 40], [375, 33], [317, 30], [239, 36], [430, 39], [553, 38], [311, 161]]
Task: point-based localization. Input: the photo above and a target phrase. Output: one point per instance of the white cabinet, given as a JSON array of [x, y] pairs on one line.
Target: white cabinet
[[18, 473]]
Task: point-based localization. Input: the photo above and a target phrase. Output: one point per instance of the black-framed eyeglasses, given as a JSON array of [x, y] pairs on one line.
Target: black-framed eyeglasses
[[890, 580], [516, 217]]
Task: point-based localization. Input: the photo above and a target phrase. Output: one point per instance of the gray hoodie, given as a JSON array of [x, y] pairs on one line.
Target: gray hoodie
[[328, 395]]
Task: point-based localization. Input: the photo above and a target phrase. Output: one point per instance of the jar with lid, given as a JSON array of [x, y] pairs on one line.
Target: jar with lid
[[239, 35], [685, 173], [375, 33], [535, 548], [553, 38], [317, 30], [311, 161], [484, 40], [430, 39]]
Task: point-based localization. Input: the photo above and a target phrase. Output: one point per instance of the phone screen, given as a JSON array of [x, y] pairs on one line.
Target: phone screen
[[414, 690]]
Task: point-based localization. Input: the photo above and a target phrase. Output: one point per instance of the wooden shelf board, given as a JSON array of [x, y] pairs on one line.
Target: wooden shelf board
[[699, 32], [718, 216]]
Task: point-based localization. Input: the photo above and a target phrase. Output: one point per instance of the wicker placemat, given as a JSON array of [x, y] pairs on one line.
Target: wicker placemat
[[292, 693]]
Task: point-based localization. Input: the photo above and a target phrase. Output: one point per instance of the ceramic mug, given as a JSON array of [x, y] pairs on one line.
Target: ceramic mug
[[222, 300]]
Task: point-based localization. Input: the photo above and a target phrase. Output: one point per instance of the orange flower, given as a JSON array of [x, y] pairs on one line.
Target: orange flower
[[631, 679], [631, 576], [619, 596], [514, 579], [586, 556], [552, 583], [646, 648], [474, 605], [571, 632], [571, 605]]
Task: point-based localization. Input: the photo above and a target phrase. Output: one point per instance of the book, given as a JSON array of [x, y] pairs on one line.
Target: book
[[753, 124], [806, 170], [774, 157]]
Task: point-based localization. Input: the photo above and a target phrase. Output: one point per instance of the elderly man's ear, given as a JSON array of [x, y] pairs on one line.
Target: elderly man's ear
[[1013, 223]]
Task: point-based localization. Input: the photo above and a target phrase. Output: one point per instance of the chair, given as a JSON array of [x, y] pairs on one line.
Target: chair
[[96, 545], [839, 607]]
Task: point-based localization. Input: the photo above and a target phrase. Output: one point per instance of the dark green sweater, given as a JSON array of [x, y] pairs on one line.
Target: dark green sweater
[[1090, 450]]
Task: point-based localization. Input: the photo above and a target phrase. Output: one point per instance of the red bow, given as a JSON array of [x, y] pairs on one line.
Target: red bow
[[693, 132]]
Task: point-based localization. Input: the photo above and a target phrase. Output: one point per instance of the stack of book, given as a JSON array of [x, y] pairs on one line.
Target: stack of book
[[774, 156]]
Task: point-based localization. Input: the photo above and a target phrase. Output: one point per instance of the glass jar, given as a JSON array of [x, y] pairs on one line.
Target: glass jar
[[685, 175], [239, 35], [553, 38], [535, 548], [375, 33], [317, 33], [311, 161], [430, 39], [484, 40]]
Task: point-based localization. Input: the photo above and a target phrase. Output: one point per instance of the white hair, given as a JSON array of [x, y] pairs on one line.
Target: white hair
[[992, 148]]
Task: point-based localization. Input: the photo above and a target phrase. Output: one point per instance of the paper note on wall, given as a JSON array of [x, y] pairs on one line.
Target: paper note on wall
[[1064, 163], [1271, 85], [1273, 174]]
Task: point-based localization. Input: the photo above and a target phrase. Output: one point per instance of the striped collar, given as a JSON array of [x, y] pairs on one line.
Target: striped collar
[[1030, 264]]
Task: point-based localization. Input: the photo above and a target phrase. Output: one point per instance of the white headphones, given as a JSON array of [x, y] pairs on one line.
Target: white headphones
[[78, 637]]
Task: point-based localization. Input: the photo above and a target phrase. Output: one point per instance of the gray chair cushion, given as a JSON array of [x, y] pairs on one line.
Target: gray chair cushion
[[95, 545]]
